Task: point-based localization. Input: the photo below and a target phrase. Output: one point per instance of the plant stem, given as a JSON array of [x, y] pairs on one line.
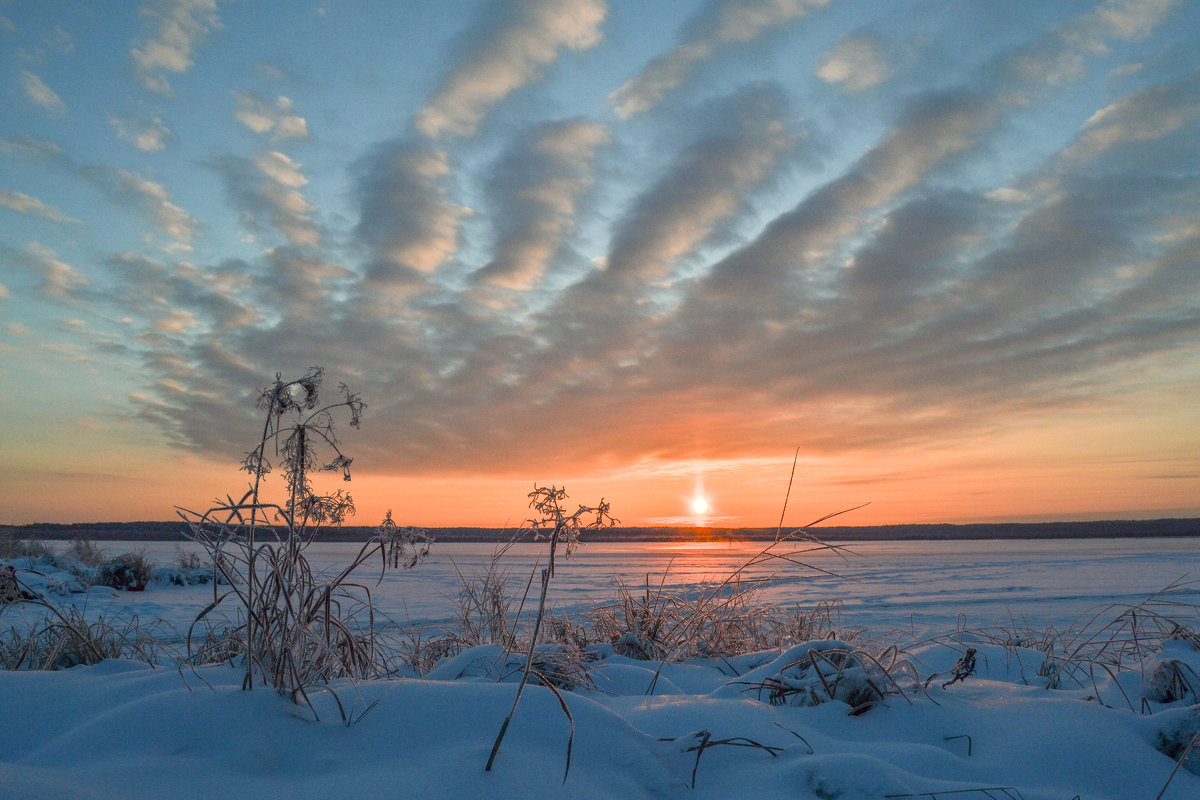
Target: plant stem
[[547, 573], [248, 682]]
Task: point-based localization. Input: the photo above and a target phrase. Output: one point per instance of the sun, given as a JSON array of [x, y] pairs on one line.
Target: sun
[[699, 504]]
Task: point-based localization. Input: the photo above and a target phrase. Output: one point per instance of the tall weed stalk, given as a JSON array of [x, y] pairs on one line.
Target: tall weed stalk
[[552, 521], [295, 627]]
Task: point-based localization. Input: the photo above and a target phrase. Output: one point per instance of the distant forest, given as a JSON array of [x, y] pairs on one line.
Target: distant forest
[[173, 531]]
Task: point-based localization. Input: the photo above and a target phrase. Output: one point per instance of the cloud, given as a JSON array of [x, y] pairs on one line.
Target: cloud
[[280, 169], [291, 210], [150, 198], [856, 62], [31, 148], [263, 117], [174, 321], [267, 190], [176, 27], [721, 24], [1060, 55], [505, 52], [60, 280], [154, 198], [1132, 19], [935, 128], [406, 219], [24, 204], [51, 42], [594, 337], [1144, 116], [180, 297], [128, 188], [41, 94], [147, 135], [4, 293], [535, 189], [73, 325], [59, 40], [911, 254], [902, 293], [741, 141]]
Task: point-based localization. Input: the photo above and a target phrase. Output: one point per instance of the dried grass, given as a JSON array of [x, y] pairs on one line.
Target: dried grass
[[65, 638], [84, 552], [1102, 643], [13, 548], [824, 671]]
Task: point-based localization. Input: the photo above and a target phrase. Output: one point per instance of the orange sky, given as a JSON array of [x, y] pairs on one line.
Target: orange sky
[[1121, 466], [947, 250]]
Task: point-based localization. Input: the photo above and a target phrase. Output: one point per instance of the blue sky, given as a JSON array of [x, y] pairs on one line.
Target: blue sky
[[949, 251]]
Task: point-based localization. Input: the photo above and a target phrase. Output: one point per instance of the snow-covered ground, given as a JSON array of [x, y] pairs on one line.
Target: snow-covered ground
[[122, 729], [925, 587]]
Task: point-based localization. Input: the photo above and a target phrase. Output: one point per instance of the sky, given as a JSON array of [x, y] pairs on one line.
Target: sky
[[943, 257]]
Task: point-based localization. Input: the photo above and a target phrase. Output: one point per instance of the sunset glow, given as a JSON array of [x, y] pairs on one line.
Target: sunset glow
[[949, 251]]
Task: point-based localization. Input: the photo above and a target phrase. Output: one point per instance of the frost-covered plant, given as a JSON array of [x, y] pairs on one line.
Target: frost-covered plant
[[785, 626], [294, 628], [65, 638], [657, 623], [11, 590], [129, 572], [190, 561], [551, 521], [403, 548], [819, 672], [1177, 737], [702, 740], [84, 552], [485, 609], [1169, 680], [12, 548]]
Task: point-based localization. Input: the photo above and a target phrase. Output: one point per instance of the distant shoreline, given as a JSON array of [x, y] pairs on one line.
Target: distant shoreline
[[1100, 529]]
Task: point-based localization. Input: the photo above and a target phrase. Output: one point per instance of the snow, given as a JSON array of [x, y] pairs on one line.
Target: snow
[[125, 729]]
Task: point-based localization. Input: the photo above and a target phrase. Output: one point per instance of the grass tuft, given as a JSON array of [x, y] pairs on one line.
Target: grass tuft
[[64, 637]]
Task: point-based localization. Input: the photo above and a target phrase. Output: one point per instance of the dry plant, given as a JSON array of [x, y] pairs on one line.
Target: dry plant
[[1106, 641], [128, 572], [484, 608], [64, 638], [702, 740], [484, 611], [786, 626], [294, 628], [718, 604], [552, 522], [85, 552], [1177, 746], [11, 588], [982, 793], [1119, 637], [831, 670], [657, 624], [12, 548]]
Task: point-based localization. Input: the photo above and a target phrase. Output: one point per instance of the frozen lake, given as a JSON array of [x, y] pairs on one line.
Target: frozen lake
[[921, 586]]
